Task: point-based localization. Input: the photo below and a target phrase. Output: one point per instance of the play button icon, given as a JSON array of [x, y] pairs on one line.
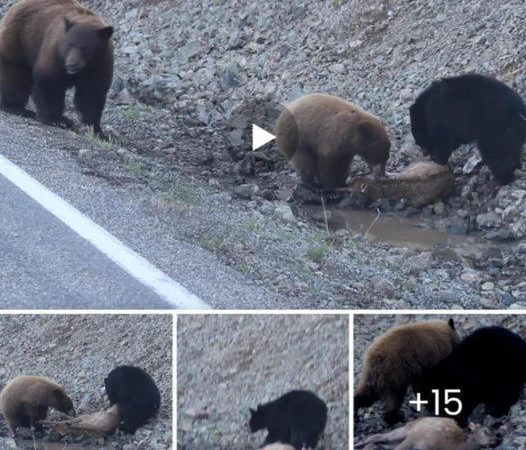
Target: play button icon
[[260, 137]]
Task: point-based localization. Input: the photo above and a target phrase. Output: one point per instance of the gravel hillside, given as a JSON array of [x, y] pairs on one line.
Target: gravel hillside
[[78, 352], [367, 328], [191, 77], [228, 363]]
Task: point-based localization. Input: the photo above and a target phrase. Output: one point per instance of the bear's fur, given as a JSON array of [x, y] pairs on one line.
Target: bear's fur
[[48, 46], [136, 394], [397, 359], [488, 366], [471, 108], [320, 134], [297, 418], [26, 399]]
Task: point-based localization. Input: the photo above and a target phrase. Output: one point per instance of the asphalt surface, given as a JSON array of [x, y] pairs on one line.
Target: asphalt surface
[[45, 265]]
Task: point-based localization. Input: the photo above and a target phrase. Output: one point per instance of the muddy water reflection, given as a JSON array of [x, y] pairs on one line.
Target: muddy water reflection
[[395, 231]]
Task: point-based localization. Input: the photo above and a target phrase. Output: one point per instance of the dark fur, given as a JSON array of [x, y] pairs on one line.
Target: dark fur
[[297, 418], [472, 108], [488, 366], [136, 394], [48, 46]]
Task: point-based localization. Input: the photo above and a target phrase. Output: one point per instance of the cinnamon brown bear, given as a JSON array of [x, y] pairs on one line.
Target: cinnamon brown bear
[[397, 359], [320, 134], [26, 399], [49, 46]]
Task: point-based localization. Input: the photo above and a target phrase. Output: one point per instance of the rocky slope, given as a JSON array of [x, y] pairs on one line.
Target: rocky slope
[[78, 352]]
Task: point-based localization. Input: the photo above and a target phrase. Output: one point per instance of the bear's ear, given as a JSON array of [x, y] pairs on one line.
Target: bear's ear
[[451, 324], [106, 32], [68, 23]]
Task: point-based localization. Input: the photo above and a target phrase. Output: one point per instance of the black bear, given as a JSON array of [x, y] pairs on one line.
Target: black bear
[[471, 108], [48, 46], [488, 367], [297, 418], [136, 394]]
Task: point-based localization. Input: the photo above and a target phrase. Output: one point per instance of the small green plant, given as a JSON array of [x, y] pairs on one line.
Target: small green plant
[[318, 252], [132, 112], [106, 144], [212, 243], [253, 225], [137, 167]]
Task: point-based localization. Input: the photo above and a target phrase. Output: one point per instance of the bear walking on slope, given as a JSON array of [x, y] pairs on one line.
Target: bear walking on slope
[[320, 134], [26, 399], [397, 359], [472, 108], [297, 418], [488, 367], [48, 46], [136, 394]]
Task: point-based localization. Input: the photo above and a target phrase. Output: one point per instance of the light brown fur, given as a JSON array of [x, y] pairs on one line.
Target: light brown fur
[[421, 183], [320, 134], [26, 399], [396, 359], [97, 424], [432, 433]]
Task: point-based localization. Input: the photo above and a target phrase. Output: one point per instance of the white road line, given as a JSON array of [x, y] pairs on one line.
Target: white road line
[[130, 261]]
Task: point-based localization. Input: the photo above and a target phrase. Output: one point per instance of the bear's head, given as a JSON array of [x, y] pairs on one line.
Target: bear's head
[[257, 419], [83, 43], [61, 402], [374, 144]]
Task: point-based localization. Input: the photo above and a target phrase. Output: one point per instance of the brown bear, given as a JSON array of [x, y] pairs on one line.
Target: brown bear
[[47, 47], [320, 134], [397, 359], [26, 399]]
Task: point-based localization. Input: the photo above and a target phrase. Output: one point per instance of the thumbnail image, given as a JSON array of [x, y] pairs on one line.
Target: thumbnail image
[[439, 382], [86, 382], [262, 381]]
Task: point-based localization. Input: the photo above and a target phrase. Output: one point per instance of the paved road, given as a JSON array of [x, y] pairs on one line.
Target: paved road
[[44, 264]]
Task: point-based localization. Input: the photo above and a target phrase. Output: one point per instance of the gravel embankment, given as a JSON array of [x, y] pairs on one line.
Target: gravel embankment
[[368, 327], [78, 352], [191, 77], [227, 364]]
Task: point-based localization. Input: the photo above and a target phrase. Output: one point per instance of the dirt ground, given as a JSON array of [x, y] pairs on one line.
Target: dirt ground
[[229, 363], [78, 351]]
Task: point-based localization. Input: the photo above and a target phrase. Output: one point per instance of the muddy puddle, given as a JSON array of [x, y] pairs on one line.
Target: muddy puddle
[[397, 231]]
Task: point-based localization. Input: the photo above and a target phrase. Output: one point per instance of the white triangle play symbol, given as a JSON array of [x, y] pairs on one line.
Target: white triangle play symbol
[[260, 137]]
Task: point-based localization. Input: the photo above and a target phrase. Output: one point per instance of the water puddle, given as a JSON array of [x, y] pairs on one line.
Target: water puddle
[[392, 230]]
